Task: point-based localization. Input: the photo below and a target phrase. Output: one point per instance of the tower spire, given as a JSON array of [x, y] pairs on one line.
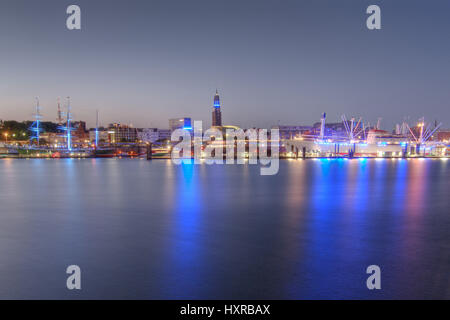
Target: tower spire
[[216, 114]]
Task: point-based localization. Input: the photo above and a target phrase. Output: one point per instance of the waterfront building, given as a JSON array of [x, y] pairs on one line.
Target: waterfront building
[[103, 135], [79, 131], [150, 135], [216, 113], [53, 139], [164, 134], [59, 140], [443, 135], [121, 133], [153, 135], [180, 123]]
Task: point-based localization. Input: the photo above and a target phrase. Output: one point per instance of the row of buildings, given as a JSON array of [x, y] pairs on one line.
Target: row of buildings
[[56, 134], [321, 137], [119, 133]]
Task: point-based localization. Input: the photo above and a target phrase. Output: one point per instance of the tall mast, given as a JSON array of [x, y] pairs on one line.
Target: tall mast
[[36, 126], [69, 129], [322, 126], [96, 131], [421, 125], [59, 115], [379, 124], [352, 123], [38, 119]]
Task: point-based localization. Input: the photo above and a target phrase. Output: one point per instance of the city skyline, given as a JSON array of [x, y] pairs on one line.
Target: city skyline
[[273, 64], [219, 158], [60, 116]]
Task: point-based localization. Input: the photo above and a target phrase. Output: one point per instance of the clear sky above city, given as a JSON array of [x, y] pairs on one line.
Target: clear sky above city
[[142, 62]]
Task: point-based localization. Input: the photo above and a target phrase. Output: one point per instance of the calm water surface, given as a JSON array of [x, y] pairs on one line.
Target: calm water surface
[[154, 230]]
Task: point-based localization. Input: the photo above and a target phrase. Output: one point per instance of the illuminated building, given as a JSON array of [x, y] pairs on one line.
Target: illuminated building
[[79, 130], [119, 133], [53, 139], [164, 134], [216, 113], [443, 135], [152, 135], [98, 134], [148, 135], [180, 123]]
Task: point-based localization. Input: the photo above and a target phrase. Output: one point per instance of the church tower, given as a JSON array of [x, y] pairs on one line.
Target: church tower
[[216, 113]]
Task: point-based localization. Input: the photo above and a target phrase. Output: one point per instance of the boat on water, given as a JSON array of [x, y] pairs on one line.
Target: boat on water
[[56, 153], [162, 153], [7, 151], [34, 152], [104, 153]]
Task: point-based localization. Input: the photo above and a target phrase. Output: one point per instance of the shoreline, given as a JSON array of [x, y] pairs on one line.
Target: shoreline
[[169, 158]]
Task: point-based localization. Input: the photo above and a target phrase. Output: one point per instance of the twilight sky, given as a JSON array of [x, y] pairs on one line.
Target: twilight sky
[[273, 61]]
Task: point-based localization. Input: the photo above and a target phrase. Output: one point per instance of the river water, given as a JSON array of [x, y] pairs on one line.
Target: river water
[[155, 230]]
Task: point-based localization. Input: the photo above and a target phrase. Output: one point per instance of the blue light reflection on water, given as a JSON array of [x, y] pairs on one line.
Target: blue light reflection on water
[[357, 221], [186, 252], [155, 230], [339, 199]]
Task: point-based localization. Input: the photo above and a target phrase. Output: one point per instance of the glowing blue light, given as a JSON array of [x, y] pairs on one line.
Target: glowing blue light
[[36, 130], [69, 139], [216, 102], [68, 129]]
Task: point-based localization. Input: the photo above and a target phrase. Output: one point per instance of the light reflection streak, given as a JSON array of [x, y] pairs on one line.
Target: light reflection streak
[[185, 254]]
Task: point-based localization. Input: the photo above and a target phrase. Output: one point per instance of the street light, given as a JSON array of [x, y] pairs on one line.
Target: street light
[[6, 136]]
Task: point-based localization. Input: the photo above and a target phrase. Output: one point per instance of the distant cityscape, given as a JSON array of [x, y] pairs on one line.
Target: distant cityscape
[[318, 139]]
